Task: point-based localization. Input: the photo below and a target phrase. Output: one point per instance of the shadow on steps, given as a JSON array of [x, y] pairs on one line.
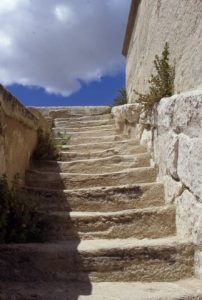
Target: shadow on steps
[[28, 268]]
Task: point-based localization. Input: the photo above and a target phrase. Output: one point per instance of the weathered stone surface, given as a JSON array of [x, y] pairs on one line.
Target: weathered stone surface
[[190, 163], [149, 223], [121, 150], [80, 180], [177, 23], [18, 136], [125, 116], [165, 147], [103, 165], [181, 113], [166, 259], [74, 111], [189, 217], [113, 198], [198, 263], [179, 290], [172, 188]]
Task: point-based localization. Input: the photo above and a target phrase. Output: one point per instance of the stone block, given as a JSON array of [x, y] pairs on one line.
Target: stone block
[[189, 217], [189, 166]]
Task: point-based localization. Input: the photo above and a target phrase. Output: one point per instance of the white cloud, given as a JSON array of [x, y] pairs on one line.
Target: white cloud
[[64, 13], [56, 43]]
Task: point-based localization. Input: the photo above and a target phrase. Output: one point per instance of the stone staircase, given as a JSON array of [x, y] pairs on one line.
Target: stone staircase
[[111, 235]]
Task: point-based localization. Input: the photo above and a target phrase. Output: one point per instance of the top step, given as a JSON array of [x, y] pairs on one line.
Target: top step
[[74, 111], [82, 122]]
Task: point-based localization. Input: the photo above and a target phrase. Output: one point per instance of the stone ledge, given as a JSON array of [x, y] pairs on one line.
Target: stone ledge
[[11, 107]]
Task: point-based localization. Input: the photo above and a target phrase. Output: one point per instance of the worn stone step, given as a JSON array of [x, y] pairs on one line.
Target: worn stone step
[[150, 223], [93, 154], [80, 124], [81, 118], [106, 199], [101, 165], [80, 180], [167, 259], [74, 140], [124, 144], [76, 129], [58, 131], [188, 289]]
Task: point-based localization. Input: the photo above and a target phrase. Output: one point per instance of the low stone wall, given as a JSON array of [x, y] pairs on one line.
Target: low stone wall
[[174, 136], [18, 136]]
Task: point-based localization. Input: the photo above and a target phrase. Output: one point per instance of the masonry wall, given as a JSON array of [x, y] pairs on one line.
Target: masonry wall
[[179, 22], [18, 136], [173, 135]]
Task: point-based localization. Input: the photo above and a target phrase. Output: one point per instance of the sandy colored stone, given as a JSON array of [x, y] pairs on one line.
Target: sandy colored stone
[[179, 290], [172, 188], [143, 223], [167, 259], [84, 112], [102, 198], [79, 180], [190, 163], [103, 165], [157, 22], [189, 217]]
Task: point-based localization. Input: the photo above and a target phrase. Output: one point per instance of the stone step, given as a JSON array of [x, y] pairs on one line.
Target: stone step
[[188, 289], [124, 144], [75, 129], [101, 165], [101, 198], [74, 155], [84, 118], [74, 140], [150, 223], [79, 180], [58, 131], [167, 259], [80, 124]]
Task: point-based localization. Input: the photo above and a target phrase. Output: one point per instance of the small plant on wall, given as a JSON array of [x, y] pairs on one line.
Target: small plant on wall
[[121, 98], [20, 219], [161, 84], [46, 146]]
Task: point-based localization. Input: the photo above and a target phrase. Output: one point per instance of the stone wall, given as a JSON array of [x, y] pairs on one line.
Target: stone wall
[[174, 136], [18, 136], [157, 21]]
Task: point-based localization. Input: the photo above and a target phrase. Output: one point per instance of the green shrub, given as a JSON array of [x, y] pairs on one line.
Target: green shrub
[[121, 98], [20, 219], [161, 84], [64, 138], [46, 146]]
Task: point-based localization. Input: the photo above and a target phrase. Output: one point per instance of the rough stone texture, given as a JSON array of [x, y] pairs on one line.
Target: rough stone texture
[[125, 117], [149, 223], [189, 167], [107, 219], [74, 111], [106, 198], [166, 259], [198, 263], [181, 290], [172, 188], [174, 137], [189, 217], [180, 24], [18, 136]]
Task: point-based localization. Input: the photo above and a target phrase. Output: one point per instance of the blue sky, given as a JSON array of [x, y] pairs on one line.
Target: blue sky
[[63, 52], [94, 93]]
